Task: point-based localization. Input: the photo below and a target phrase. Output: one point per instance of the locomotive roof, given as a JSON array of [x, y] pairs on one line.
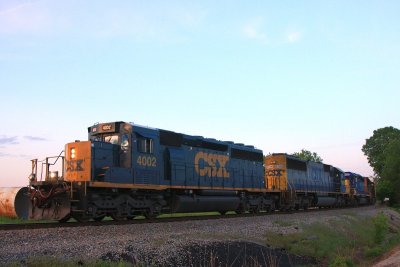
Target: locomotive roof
[[146, 129], [305, 161]]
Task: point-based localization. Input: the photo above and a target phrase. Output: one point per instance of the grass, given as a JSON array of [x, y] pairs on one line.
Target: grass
[[345, 242], [7, 220], [397, 208]]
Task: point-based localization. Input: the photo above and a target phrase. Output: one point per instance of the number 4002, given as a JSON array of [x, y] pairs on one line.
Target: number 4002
[[147, 161]]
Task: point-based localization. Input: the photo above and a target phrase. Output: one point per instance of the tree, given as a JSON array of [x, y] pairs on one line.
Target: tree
[[384, 189], [308, 155], [383, 152], [391, 168], [375, 146]]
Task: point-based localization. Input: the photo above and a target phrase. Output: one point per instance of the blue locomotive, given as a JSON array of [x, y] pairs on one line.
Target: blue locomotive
[[125, 170], [360, 186], [316, 184]]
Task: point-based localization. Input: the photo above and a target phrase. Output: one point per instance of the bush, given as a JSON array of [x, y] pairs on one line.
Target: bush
[[381, 228], [374, 252], [340, 261], [385, 189]]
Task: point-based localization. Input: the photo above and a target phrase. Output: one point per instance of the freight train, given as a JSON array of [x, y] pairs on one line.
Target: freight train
[[125, 170]]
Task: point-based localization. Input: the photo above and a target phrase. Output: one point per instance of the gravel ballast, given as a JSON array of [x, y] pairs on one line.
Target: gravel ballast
[[156, 243]]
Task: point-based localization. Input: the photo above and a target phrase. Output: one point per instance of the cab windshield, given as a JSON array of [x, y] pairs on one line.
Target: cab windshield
[[113, 139]]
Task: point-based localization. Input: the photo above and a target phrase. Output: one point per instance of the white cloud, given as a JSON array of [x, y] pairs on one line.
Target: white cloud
[[253, 29], [35, 138], [76, 17], [293, 36], [26, 17], [166, 23]]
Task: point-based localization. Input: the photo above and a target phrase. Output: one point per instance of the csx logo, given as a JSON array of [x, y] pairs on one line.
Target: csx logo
[[211, 165], [276, 173], [74, 165]]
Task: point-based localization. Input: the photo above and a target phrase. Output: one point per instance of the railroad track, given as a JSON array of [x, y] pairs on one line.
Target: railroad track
[[44, 225]]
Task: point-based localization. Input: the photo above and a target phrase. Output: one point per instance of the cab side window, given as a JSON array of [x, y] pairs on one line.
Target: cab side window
[[145, 145], [125, 143]]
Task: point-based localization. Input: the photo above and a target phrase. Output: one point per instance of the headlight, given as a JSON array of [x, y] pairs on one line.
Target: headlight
[[73, 153], [54, 175]]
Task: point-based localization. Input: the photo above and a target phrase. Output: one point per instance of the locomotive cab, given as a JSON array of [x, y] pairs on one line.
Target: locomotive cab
[[115, 153], [107, 151], [118, 134]]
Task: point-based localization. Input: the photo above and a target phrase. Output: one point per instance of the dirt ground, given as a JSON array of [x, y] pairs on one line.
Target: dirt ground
[[391, 259]]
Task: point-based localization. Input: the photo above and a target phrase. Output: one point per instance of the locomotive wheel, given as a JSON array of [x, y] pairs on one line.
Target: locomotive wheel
[[243, 207], [117, 217], [255, 209], [241, 210], [65, 219], [150, 214], [99, 218], [271, 208], [153, 211], [81, 217]]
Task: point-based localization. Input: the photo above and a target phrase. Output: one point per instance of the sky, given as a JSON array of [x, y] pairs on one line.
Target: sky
[[280, 75]]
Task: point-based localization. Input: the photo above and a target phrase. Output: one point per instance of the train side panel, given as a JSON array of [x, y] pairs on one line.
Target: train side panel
[[276, 172], [172, 160]]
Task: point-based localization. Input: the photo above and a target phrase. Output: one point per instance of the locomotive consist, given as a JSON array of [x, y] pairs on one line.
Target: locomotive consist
[[125, 170]]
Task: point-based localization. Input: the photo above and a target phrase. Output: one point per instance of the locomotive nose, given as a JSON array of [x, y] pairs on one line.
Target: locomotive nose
[[78, 161]]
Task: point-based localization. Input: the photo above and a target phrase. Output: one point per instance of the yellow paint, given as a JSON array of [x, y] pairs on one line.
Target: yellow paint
[[78, 161], [347, 185], [276, 172], [163, 187], [210, 168]]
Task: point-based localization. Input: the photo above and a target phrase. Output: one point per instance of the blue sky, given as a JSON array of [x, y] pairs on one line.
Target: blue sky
[[280, 75]]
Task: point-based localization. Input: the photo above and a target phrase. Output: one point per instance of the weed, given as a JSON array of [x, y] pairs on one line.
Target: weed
[[326, 241], [381, 228], [374, 252], [340, 261]]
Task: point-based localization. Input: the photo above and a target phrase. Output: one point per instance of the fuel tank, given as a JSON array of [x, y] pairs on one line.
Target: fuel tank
[[14, 202], [326, 201], [204, 203]]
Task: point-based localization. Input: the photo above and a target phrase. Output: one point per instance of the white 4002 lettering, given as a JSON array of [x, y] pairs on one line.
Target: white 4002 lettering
[[147, 161]]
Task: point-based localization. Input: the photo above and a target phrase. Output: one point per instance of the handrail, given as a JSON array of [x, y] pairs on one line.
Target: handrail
[[46, 162]]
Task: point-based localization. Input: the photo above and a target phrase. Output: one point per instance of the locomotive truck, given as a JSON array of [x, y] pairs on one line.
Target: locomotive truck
[[125, 170]]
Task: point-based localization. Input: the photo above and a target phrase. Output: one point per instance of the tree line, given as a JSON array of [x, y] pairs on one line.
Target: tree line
[[383, 152]]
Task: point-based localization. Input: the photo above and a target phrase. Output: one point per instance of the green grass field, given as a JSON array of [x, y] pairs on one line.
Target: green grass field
[[353, 241], [6, 220]]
